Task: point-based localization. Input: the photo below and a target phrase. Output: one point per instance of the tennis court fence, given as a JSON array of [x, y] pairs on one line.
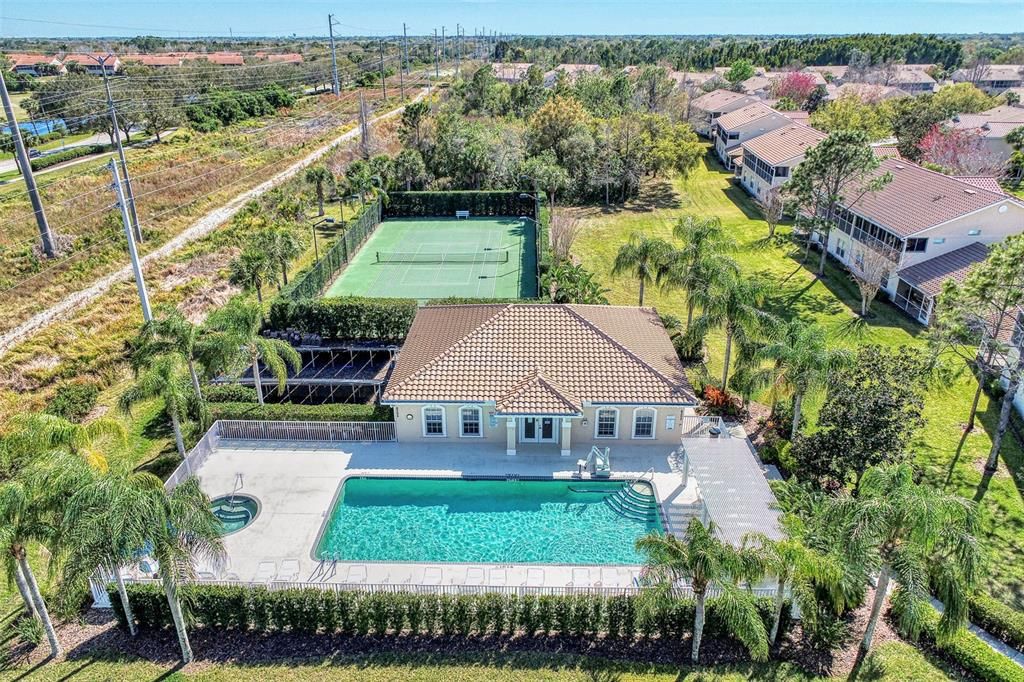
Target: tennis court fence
[[313, 282]]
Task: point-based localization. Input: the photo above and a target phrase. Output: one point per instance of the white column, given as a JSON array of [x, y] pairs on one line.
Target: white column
[[510, 436], [566, 436]]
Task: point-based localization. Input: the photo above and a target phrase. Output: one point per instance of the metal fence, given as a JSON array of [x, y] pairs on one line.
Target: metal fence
[[195, 458], [698, 426], [307, 431]]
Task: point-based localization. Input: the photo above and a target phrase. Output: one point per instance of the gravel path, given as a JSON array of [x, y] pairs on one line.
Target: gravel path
[[199, 229]]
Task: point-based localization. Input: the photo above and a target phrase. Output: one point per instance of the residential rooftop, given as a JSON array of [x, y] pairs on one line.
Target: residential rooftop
[[929, 276], [745, 115], [716, 99], [538, 359], [782, 144]]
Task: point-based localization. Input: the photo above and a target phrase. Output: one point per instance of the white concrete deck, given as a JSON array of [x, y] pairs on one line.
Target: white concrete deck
[[296, 483]]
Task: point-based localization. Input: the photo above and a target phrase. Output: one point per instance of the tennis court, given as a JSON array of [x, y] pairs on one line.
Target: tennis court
[[426, 258]]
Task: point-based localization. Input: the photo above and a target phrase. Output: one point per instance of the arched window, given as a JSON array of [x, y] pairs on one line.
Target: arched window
[[471, 422], [643, 422], [433, 421]]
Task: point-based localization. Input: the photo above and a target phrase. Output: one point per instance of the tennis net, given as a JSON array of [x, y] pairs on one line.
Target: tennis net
[[494, 256]]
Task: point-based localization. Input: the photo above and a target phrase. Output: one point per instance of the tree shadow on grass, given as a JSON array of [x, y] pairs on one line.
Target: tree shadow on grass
[[743, 202], [656, 194]]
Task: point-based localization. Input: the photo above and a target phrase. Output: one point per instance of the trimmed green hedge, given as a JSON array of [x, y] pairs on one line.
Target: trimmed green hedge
[[66, 155], [229, 393], [290, 412], [445, 204], [998, 619], [311, 611], [351, 318], [971, 653]]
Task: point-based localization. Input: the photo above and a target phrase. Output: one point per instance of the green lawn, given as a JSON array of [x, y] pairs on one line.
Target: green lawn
[[892, 662], [832, 302]]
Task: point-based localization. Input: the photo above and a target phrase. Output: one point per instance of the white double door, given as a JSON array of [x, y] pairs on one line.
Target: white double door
[[537, 430]]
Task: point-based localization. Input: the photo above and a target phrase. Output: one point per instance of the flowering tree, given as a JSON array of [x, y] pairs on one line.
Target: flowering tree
[[795, 85], [959, 152]]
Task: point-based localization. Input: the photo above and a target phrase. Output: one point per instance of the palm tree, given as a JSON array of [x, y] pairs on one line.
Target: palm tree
[[31, 505], [40, 431], [251, 270], [239, 322], [163, 378], [701, 259], [281, 245], [707, 562], [170, 331], [735, 305], [910, 532], [320, 178], [802, 362], [641, 257], [801, 567]]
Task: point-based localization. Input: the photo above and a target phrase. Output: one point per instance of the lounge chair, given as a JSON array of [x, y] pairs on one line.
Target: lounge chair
[[356, 574], [497, 577], [609, 577], [206, 575], [265, 572], [581, 577], [289, 572], [233, 577], [432, 575], [535, 577], [474, 575]]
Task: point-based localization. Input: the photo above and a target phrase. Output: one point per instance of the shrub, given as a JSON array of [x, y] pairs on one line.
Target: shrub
[[998, 619], [445, 204], [290, 412], [720, 402], [229, 393], [73, 400], [350, 318], [66, 155], [29, 630], [313, 610]]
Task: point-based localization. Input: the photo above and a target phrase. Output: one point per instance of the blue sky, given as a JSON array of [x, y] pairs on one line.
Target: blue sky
[[54, 18]]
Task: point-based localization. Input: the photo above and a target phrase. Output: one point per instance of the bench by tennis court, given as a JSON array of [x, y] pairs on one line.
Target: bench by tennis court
[[425, 258]]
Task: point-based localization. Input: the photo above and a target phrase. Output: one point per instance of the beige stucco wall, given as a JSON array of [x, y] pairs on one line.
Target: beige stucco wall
[[411, 429]]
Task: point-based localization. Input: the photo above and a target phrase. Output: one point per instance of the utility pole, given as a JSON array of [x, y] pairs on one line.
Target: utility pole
[[458, 52], [49, 249], [120, 149], [383, 79], [437, 73], [401, 68], [140, 283], [336, 86], [444, 47], [405, 49]]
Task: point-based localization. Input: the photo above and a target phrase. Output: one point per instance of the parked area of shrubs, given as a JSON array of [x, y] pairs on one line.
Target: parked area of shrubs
[[68, 154], [313, 610], [224, 107], [998, 619], [351, 318], [290, 412], [428, 204]]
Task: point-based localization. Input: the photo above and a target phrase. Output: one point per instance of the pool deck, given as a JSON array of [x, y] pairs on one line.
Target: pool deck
[[296, 484]]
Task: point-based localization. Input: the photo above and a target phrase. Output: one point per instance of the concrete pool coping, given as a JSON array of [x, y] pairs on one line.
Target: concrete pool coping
[[296, 483], [328, 516]]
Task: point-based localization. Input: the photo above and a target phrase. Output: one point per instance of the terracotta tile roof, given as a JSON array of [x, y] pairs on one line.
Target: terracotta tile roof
[[987, 182], [716, 99], [510, 71], [745, 115], [218, 58], [886, 151], [538, 358], [928, 276], [25, 59], [867, 92], [154, 59], [287, 58], [918, 198], [782, 144]]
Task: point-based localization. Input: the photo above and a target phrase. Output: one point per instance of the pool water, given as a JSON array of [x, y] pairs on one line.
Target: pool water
[[487, 521], [234, 512]]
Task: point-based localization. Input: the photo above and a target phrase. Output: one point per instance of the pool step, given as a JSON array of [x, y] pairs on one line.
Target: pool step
[[632, 504]]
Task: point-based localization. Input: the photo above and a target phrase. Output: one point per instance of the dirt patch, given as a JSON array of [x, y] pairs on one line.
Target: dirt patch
[[197, 306], [206, 266], [756, 431]]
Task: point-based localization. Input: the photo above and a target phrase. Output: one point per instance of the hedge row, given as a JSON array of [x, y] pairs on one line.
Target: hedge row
[[352, 318], [66, 155], [229, 393], [290, 412], [971, 653], [998, 619], [445, 204], [312, 611]]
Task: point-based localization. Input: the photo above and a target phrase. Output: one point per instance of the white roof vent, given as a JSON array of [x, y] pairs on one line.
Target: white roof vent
[[970, 191], [899, 167]]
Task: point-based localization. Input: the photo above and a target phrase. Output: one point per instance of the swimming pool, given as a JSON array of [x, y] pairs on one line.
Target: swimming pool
[[488, 521]]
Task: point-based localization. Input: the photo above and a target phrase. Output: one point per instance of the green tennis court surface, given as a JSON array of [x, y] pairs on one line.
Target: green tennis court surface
[[426, 258]]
